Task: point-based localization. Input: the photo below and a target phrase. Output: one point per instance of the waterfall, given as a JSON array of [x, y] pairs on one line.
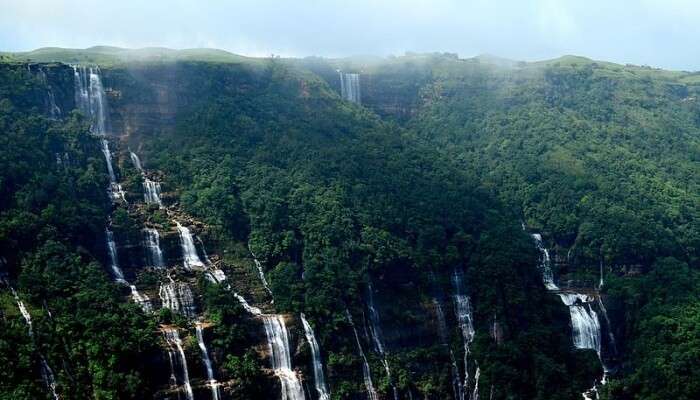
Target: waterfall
[[261, 273], [46, 371], [90, 97], [584, 321], [442, 333], [475, 393], [545, 263], [136, 161], [115, 189], [350, 86], [246, 306], [177, 357], [463, 310], [113, 259], [177, 296], [213, 384], [189, 252], [278, 341], [151, 192], [319, 378], [140, 299], [376, 333], [154, 255], [366, 373]]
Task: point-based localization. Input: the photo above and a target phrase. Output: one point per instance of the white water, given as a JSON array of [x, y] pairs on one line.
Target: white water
[[177, 357], [113, 259], [350, 86], [251, 309], [278, 342], [90, 98], [140, 299], [366, 373], [319, 378], [584, 321], [545, 263], [261, 273], [463, 311], [46, 371], [442, 333], [151, 192], [475, 393], [115, 189], [177, 296], [154, 255], [189, 252], [136, 161], [377, 337], [211, 382]]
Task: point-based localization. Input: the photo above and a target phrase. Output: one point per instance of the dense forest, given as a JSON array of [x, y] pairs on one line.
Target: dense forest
[[389, 221]]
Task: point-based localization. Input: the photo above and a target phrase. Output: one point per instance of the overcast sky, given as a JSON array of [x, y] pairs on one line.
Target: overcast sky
[[661, 33]]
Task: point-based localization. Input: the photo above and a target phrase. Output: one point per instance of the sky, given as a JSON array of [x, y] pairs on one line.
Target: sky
[[659, 33]]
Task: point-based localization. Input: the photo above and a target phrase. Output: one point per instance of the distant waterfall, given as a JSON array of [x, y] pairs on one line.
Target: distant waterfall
[[278, 342], [213, 384], [151, 242], [319, 378], [151, 192], [141, 299], [115, 189], [177, 357], [177, 296], [350, 86], [113, 259], [442, 334], [90, 98], [377, 337], [46, 371], [261, 273], [53, 110], [584, 321], [189, 252], [545, 263], [136, 161], [463, 310], [366, 373]]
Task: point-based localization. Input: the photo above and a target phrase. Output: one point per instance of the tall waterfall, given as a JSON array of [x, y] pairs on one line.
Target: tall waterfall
[[113, 259], [151, 242], [350, 86], [442, 333], [46, 371], [136, 161], [366, 373], [545, 263], [278, 342], [377, 337], [213, 384], [177, 296], [115, 189], [141, 299], [151, 192], [189, 252], [90, 97], [463, 311], [319, 378], [177, 357]]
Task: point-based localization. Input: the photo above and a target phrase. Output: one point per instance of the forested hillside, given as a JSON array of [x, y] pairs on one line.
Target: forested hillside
[[383, 242]]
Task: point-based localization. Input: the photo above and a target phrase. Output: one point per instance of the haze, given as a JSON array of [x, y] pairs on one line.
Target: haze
[[648, 32]]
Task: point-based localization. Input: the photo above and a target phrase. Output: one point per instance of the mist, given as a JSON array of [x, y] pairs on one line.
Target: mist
[[648, 32]]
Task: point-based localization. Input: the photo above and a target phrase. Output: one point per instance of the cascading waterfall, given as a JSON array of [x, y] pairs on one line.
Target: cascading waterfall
[[545, 263], [584, 321], [136, 161], [177, 357], [477, 375], [113, 259], [46, 371], [140, 299], [442, 333], [177, 296], [319, 378], [90, 97], [463, 310], [366, 373], [189, 252], [350, 86], [151, 192], [377, 337], [115, 189], [278, 342], [154, 255], [211, 382]]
